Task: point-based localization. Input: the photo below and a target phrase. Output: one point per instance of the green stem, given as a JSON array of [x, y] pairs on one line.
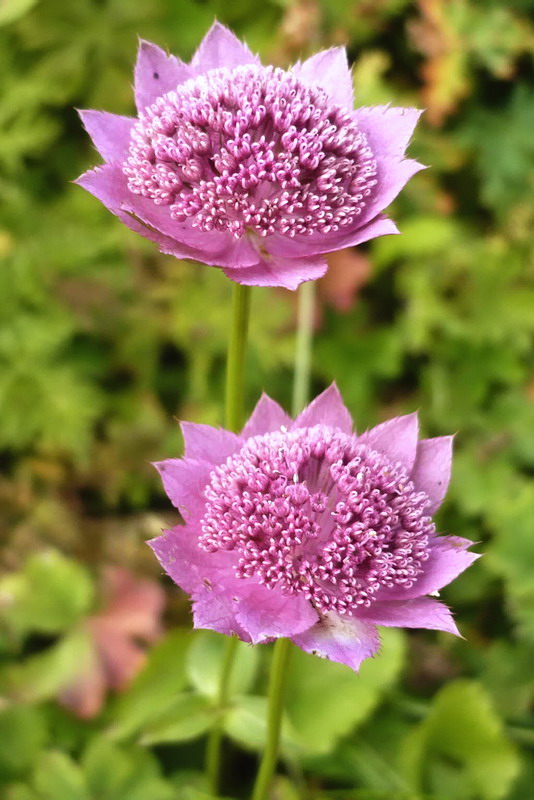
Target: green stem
[[235, 368], [233, 419], [281, 654], [303, 350], [214, 745], [282, 648]]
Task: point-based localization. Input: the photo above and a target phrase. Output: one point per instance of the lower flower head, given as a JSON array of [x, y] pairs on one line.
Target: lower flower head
[[304, 529], [254, 169]]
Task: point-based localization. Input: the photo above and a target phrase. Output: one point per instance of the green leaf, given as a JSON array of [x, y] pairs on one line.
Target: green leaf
[[326, 700], [150, 789], [42, 676], [18, 791], [12, 10], [23, 734], [188, 716], [190, 785], [246, 724], [43, 398], [509, 677], [48, 595], [159, 683], [503, 147], [511, 553], [205, 661], [462, 734], [119, 773], [57, 776], [422, 237]]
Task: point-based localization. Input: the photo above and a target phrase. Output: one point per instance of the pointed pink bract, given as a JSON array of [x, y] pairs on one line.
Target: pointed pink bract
[[419, 612], [220, 48], [202, 442], [109, 132], [327, 409], [267, 416], [330, 69], [396, 438], [343, 639], [432, 469], [156, 73]]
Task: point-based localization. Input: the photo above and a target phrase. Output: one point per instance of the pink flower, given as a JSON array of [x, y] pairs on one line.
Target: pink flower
[[306, 530], [253, 169]]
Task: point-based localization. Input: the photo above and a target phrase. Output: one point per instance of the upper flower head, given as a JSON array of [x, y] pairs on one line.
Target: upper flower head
[[306, 530], [250, 168]]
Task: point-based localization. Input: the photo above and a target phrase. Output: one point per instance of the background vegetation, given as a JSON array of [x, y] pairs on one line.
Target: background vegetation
[[103, 342]]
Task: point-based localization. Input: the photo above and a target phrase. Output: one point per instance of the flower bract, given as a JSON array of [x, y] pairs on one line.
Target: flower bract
[[251, 168], [307, 530]]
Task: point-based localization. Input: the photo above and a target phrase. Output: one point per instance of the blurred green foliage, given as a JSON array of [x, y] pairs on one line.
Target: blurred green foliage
[[103, 341]]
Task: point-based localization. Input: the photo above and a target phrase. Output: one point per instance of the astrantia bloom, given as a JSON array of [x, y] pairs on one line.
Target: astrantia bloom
[[306, 530], [250, 168]]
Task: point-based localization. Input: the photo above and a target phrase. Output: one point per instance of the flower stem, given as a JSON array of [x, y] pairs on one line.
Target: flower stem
[[303, 350], [213, 749], [236, 357], [233, 419], [282, 648], [281, 655]]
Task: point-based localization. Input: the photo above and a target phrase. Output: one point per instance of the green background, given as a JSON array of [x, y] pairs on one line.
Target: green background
[[104, 341]]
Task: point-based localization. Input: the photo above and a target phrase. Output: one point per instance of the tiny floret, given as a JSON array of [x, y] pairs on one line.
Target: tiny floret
[[251, 168], [305, 529]]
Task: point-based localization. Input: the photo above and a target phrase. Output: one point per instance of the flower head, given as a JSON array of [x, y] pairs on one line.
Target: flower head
[[254, 169], [306, 530]]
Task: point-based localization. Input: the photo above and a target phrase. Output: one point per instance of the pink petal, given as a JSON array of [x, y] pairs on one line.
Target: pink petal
[[330, 69], [421, 612], [205, 443], [300, 247], [216, 248], [286, 273], [388, 129], [110, 186], [268, 416], [215, 610], [448, 558], [392, 175], [187, 564], [184, 480], [379, 226], [268, 614], [432, 469], [221, 48], [339, 638], [327, 409], [107, 184], [156, 73], [109, 132], [396, 438]]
